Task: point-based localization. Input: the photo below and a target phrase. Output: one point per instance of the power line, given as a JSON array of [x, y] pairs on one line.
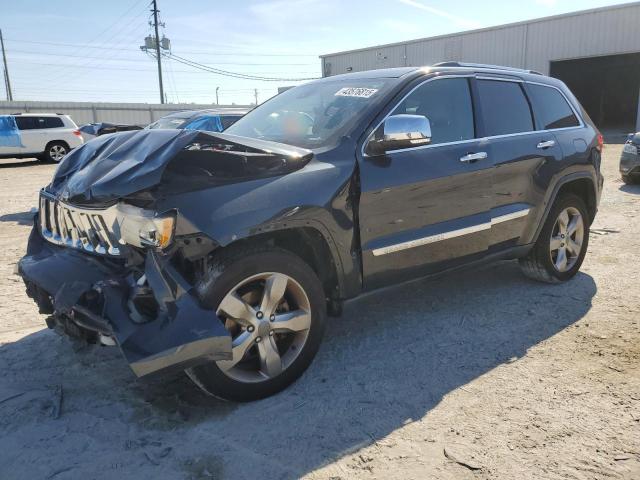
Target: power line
[[195, 52], [227, 73], [124, 59]]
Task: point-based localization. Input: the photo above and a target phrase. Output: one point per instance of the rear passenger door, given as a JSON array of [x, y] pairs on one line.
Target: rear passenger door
[[32, 137], [426, 208], [518, 151]]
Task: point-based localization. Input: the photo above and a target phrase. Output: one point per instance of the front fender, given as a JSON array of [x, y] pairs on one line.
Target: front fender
[[319, 196]]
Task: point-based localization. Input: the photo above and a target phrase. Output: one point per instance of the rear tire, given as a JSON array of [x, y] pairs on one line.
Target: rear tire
[[553, 258], [246, 275], [54, 152]]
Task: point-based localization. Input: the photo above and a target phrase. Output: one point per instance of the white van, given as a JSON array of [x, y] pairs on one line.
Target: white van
[[46, 136]]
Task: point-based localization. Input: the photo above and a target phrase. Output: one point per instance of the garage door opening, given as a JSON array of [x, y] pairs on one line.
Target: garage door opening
[[607, 87]]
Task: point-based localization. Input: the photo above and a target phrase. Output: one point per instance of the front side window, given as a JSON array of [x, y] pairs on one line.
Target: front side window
[[206, 123], [228, 120], [314, 115], [505, 109], [551, 108], [447, 105], [168, 123]]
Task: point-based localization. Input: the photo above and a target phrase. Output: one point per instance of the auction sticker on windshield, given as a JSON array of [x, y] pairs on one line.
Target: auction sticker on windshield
[[356, 92]]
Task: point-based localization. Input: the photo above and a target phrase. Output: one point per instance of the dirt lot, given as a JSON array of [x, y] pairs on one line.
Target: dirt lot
[[515, 379]]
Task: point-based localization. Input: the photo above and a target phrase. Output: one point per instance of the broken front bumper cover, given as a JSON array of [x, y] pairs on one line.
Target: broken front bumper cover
[[181, 335]]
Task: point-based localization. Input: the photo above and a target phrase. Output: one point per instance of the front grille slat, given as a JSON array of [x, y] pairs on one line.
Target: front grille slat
[[83, 229]]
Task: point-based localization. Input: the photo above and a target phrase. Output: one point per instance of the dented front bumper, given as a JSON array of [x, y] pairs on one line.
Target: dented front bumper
[[92, 295]]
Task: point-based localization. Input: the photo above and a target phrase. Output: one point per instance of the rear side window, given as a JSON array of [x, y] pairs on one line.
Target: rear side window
[[551, 108], [505, 108], [50, 122], [447, 105]]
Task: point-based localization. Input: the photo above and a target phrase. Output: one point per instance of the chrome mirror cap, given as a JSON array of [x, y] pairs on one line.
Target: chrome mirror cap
[[399, 132]]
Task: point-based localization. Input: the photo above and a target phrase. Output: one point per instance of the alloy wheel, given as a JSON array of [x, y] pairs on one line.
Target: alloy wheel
[[567, 237], [269, 317], [57, 152]]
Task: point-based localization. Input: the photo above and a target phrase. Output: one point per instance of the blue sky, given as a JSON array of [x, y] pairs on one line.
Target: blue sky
[[89, 51]]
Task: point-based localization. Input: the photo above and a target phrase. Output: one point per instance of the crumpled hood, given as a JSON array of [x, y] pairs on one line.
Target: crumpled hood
[[115, 166]]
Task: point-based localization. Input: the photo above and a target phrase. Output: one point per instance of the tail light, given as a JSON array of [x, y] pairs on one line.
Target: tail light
[[600, 142], [77, 133]]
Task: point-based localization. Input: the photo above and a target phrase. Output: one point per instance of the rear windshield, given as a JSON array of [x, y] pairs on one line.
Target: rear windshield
[[314, 115]]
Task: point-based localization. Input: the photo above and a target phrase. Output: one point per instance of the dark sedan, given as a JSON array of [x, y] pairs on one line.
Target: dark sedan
[[630, 159]]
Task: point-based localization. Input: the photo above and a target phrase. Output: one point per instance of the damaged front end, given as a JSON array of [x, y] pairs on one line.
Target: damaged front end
[[108, 267]]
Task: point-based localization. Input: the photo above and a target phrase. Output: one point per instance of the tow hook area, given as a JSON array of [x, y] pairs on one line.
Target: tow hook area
[[88, 298]]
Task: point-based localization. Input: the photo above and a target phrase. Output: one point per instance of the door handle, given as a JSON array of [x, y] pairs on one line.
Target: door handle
[[546, 144], [472, 157]]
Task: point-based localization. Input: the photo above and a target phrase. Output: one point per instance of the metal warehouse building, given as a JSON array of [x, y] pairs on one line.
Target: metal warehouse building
[[595, 52]]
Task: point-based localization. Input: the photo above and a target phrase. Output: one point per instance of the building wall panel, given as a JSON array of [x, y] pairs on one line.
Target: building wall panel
[[532, 45], [85, 112]]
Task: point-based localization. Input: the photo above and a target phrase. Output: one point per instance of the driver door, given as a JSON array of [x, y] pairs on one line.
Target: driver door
[[427, 208]]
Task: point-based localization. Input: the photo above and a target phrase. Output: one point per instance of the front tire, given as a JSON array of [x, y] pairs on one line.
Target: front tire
[[273, 305], [629, 180], [562, 244]]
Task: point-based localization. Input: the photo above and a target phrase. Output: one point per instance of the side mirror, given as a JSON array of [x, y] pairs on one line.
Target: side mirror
[[399, 132]]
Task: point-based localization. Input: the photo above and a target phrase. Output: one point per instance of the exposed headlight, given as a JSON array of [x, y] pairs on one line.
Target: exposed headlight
[[143, 228], [158, 234]]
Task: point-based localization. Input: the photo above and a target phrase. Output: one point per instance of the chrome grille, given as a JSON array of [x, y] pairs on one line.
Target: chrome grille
[[85, 229]]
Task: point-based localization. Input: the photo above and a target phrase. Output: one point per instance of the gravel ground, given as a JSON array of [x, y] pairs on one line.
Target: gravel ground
[[478, 375]]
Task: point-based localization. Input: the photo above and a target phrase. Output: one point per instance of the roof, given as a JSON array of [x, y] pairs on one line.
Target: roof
[[444, 67], [487, 29], [215, 111], [35, 114], [394, 72]]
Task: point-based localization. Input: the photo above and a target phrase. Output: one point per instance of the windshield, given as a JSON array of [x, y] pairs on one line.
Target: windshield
[[168, 123], [313, 115]]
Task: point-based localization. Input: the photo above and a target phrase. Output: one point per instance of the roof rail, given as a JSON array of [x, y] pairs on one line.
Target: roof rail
[[483, 65]]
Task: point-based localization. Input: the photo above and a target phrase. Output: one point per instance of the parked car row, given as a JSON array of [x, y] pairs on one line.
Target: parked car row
[[50, 136]]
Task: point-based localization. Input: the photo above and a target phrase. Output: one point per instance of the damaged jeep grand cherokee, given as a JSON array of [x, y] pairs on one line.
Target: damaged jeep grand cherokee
[[220, 254]]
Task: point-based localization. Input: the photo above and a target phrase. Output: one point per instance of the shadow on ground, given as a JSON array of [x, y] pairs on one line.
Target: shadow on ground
[[21, 218], [630, 188], [388, 361], [27, 162]]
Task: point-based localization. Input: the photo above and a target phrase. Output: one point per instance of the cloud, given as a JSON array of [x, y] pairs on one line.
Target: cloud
[[547, 3], [460, 21]]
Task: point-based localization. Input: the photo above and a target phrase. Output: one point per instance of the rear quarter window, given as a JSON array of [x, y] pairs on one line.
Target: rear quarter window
[[551, 108], [505, 109]]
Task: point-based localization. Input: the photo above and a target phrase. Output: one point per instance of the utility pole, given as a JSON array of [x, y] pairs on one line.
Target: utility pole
[[7, 83], [158, 55], [255, 92], [217, 101]]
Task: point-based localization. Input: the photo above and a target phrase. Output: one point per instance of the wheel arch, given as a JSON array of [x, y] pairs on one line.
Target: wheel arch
[[578, 183], [51, 142], [308, 243]]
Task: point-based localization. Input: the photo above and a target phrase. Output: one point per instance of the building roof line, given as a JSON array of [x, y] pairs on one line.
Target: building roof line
[[487, 29]]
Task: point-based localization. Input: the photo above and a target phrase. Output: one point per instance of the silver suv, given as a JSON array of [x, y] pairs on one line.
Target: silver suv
[[46, 136]]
